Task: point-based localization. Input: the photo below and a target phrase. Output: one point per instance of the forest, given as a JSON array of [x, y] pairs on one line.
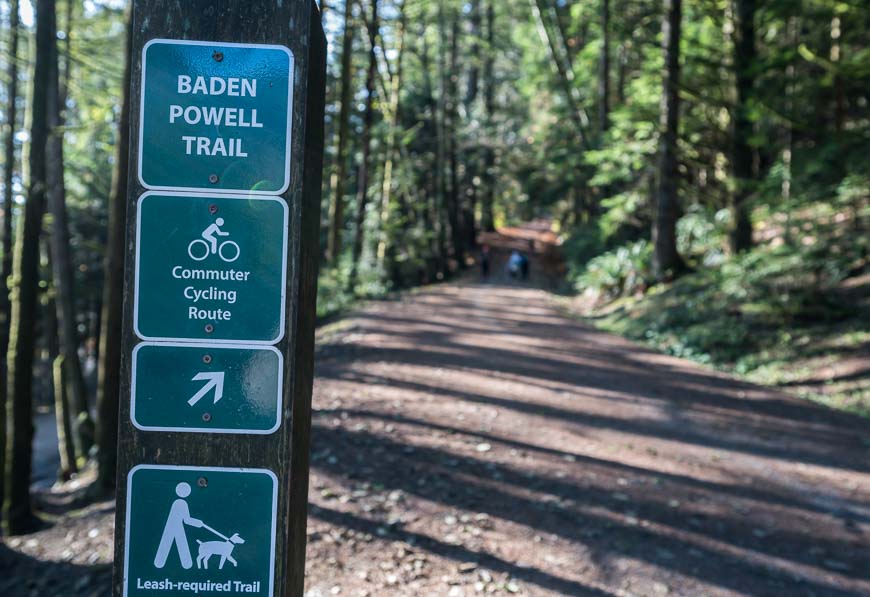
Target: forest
[[704, 164]]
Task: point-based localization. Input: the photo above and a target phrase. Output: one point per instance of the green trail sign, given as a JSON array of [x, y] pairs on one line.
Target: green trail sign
[[226, 110], [215, 116], [200, 530], [206, 388], [210, 268]]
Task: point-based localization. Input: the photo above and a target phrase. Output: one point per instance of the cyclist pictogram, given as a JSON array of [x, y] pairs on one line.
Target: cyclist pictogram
[[200, 248]]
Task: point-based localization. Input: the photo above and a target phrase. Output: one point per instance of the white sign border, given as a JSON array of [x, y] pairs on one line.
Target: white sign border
[[291, 80], [206, 469], [278, 404], [182, 196]]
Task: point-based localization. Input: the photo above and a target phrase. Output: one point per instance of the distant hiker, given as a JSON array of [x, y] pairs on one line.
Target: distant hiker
[[174, 532], [524, 266], [484, 262], [515, 264]]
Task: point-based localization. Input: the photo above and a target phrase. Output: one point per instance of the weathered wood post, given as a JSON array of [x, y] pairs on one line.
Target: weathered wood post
[[220, 289]]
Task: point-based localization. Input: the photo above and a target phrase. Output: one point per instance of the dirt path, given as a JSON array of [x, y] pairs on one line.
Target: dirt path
[[470, 439]]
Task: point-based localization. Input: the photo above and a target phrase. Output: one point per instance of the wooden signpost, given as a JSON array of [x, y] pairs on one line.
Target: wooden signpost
[[220, 290]]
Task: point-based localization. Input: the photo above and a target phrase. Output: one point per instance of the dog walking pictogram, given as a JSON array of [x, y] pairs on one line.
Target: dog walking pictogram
[[175, 533], [224, 549]]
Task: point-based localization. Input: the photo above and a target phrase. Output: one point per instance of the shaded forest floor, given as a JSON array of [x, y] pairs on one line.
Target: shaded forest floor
[[820, 353], [469, 438]]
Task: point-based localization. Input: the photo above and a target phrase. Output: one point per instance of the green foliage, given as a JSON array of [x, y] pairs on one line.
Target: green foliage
[[764, 314], [626, 215], [584, 243], [333, 295], [810, 143], [622, 272], [702, 236]]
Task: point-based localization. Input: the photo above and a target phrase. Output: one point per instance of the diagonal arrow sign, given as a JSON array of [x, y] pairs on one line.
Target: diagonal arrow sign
[[215, 380]]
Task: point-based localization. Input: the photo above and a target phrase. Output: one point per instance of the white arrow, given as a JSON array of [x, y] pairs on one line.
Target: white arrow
[[215, 380]]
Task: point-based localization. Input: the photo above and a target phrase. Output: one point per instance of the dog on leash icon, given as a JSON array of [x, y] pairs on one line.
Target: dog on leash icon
[[175, 533]]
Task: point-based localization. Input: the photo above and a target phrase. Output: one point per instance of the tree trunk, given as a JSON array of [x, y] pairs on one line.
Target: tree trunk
[[472, 154], [741, 156], [580, 208], [432, 220], [108, 376], [339, 176], [8, 214], [621, 71], [364, 172], [788, 150], [563, 69], [439, 117], [390, 150], [62, 417], [442, 199], [448, 207], [65, 68], [472, 86], [454, 204], [94, 329], [59, 243], [839, 91], [666, 259], [68, 443], [604, 69], [487, 199], [19, 517]]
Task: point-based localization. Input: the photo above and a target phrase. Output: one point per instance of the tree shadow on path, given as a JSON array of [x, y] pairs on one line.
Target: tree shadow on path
[[614, 451], [22, 576]]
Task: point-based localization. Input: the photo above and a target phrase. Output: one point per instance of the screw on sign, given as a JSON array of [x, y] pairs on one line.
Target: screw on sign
[[218, 347]]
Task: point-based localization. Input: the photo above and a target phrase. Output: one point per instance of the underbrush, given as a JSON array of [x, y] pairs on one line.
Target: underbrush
[[783, 314], [333, 295]]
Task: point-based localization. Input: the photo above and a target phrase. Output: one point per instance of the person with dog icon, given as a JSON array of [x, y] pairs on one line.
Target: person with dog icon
[[174, 531]]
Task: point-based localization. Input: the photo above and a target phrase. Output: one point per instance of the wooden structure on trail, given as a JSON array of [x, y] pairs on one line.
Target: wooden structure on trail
[[535, 239]]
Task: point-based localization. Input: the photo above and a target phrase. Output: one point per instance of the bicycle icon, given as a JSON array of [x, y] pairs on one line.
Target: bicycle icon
[[199, 249]]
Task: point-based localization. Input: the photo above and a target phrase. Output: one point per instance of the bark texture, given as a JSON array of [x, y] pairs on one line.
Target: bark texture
[[339, 177], [6, 231], [741, 154], [61, 262], [604, 68], [362, 195], [666, 259], [487, 198], [18, 511], [108, 376]]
